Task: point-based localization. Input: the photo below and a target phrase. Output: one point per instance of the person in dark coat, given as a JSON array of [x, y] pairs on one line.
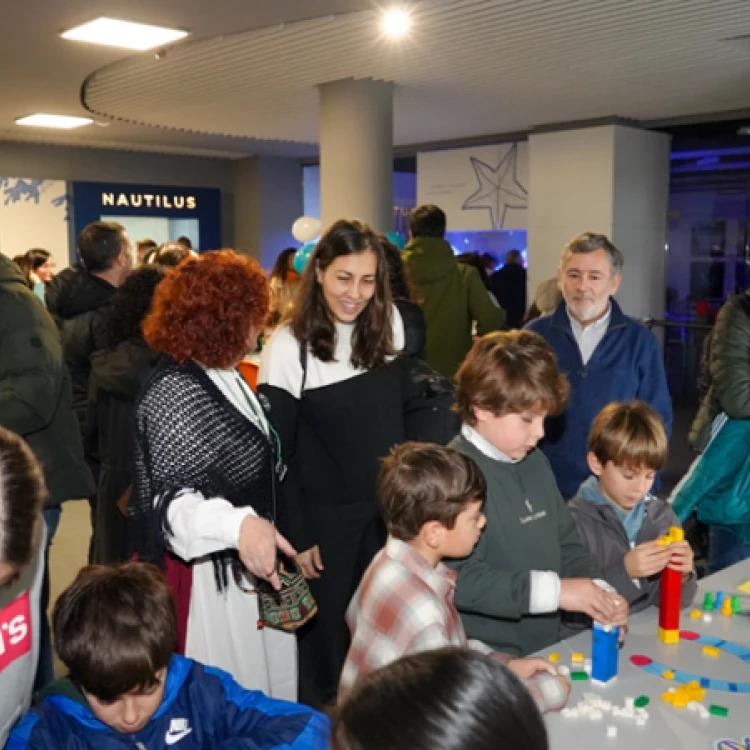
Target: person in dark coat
[[117, 374], [35, 403], [509, 287]]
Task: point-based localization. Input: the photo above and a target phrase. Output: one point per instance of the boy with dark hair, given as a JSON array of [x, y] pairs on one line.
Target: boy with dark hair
[[619, 521], [431, 498], [116, 631], [530, 563]]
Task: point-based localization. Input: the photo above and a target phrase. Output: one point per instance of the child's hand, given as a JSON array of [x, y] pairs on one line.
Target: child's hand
[[583, 595], [682, 557], [647, 559], [620, 618], [526, 668]]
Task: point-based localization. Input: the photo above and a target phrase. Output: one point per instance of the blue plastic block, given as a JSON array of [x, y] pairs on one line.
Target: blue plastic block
[[720, 596], [605, 653]]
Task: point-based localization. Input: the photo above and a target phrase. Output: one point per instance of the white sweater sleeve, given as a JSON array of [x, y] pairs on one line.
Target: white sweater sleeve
[[201, 526]]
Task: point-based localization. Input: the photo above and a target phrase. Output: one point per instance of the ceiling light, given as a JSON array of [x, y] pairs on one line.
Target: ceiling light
[[114, 33], [53, 121], [744, 130], [396, 22]]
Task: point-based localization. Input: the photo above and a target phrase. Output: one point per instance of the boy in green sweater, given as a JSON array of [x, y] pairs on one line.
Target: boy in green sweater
[[529, 564]]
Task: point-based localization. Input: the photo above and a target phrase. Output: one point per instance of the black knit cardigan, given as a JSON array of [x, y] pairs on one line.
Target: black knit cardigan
[[190, 436]]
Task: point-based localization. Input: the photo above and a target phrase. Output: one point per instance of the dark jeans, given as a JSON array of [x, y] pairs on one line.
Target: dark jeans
[[725, 548], [45, 670]]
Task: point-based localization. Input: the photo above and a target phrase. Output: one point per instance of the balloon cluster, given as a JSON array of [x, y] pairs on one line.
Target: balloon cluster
[[306, 229]]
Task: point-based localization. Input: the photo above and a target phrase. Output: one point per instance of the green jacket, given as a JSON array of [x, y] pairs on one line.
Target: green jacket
[[453, 297], [35, 392], [529, 528], [730, 371]]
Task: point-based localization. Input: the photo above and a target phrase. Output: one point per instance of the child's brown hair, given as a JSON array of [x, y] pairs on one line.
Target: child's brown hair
[[115, 628], [630, 435], [421, 482], [510, 372]]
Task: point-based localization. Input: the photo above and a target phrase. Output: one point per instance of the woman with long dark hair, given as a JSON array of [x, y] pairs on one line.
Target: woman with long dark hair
[[335, 391], [283, 282]]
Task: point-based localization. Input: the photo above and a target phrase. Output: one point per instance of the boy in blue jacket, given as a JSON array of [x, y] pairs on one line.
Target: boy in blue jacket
[[116, 631]]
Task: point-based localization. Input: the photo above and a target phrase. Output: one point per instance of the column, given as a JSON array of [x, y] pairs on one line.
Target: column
[[611, 179], [356, 152]]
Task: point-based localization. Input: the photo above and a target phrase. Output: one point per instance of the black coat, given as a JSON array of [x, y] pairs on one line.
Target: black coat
[[509, 287], [79, 303], [116, 377], [35, 400]]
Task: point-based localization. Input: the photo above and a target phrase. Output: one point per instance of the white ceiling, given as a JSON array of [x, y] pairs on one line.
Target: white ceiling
[[245, 80]]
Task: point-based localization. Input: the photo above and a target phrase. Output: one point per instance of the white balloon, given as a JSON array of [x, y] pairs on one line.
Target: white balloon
[[306, 229]]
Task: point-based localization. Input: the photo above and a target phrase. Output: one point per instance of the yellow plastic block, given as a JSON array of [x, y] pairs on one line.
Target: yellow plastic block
[[578, 658], [694, 685], [664, 541], [744, 587], [669, 637], [726, 608], [676, 534], [554, 658], [680, 701], [696, 614], [668, 675], [711, 651], [668, 697]]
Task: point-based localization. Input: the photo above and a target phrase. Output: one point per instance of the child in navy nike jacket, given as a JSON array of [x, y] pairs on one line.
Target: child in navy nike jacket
[[116, 631]]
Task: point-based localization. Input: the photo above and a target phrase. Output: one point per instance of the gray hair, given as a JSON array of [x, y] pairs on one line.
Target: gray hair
[[589, 242]]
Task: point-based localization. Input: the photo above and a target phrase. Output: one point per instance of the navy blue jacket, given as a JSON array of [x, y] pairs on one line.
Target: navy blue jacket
[[202, 708], [626, 365]]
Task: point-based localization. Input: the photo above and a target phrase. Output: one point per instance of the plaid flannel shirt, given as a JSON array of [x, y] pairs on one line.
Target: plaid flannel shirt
[[402, 606]]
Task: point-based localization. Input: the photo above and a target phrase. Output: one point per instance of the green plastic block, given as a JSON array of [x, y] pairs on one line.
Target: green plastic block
[[708, 602], [736, 605], [718, 710], [579, 676], [642, 702]]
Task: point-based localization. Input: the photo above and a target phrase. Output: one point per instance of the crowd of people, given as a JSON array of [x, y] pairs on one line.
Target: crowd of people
[[365, 550]]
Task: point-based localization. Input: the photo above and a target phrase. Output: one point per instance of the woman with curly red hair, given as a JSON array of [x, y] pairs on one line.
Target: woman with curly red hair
[[335, 389], [206, 466]]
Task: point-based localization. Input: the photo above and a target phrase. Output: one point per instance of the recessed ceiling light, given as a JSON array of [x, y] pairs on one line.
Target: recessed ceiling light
[[53, 121], [396, 22], [744, 130], [114, 33]]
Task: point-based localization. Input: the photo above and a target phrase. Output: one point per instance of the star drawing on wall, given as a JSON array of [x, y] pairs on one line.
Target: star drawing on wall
[[499, 188]]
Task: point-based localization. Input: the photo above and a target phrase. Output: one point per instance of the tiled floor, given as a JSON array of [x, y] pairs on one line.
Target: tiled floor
[[69, 552]]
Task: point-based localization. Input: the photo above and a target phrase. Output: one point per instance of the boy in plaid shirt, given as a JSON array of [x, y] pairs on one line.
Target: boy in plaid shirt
[[431, 498]]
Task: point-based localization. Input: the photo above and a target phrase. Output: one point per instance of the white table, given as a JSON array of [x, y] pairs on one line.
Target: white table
[[667, 728]]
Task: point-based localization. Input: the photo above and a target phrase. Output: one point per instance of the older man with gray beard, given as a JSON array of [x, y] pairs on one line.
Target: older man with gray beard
[[606, 355]]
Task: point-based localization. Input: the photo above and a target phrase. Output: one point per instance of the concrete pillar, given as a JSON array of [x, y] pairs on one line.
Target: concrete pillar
[[611, 179], [356, 152]]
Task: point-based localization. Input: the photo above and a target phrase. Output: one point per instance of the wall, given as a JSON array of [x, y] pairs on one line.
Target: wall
[[109, 165]]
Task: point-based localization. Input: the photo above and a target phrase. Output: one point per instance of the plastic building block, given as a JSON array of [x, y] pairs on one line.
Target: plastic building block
[[726, 608], [707, 617], [711, 651], [667, 697], [605, 653], [668, 675], [671, 597], [718, 710], [720, 596], [564, 670], [696, 614], [579, 676], [642, 702], [611, 732], [736, 605], [709, 602], [577, 658], [554, 658]]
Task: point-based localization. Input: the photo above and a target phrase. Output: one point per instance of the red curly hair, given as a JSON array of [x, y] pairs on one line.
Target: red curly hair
[[208, 308]]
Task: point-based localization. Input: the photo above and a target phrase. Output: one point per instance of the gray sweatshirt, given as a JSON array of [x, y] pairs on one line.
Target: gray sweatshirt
[[19, 639]]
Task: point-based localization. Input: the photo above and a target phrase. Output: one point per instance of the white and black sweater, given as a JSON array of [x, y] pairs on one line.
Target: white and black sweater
[[335, 434]]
